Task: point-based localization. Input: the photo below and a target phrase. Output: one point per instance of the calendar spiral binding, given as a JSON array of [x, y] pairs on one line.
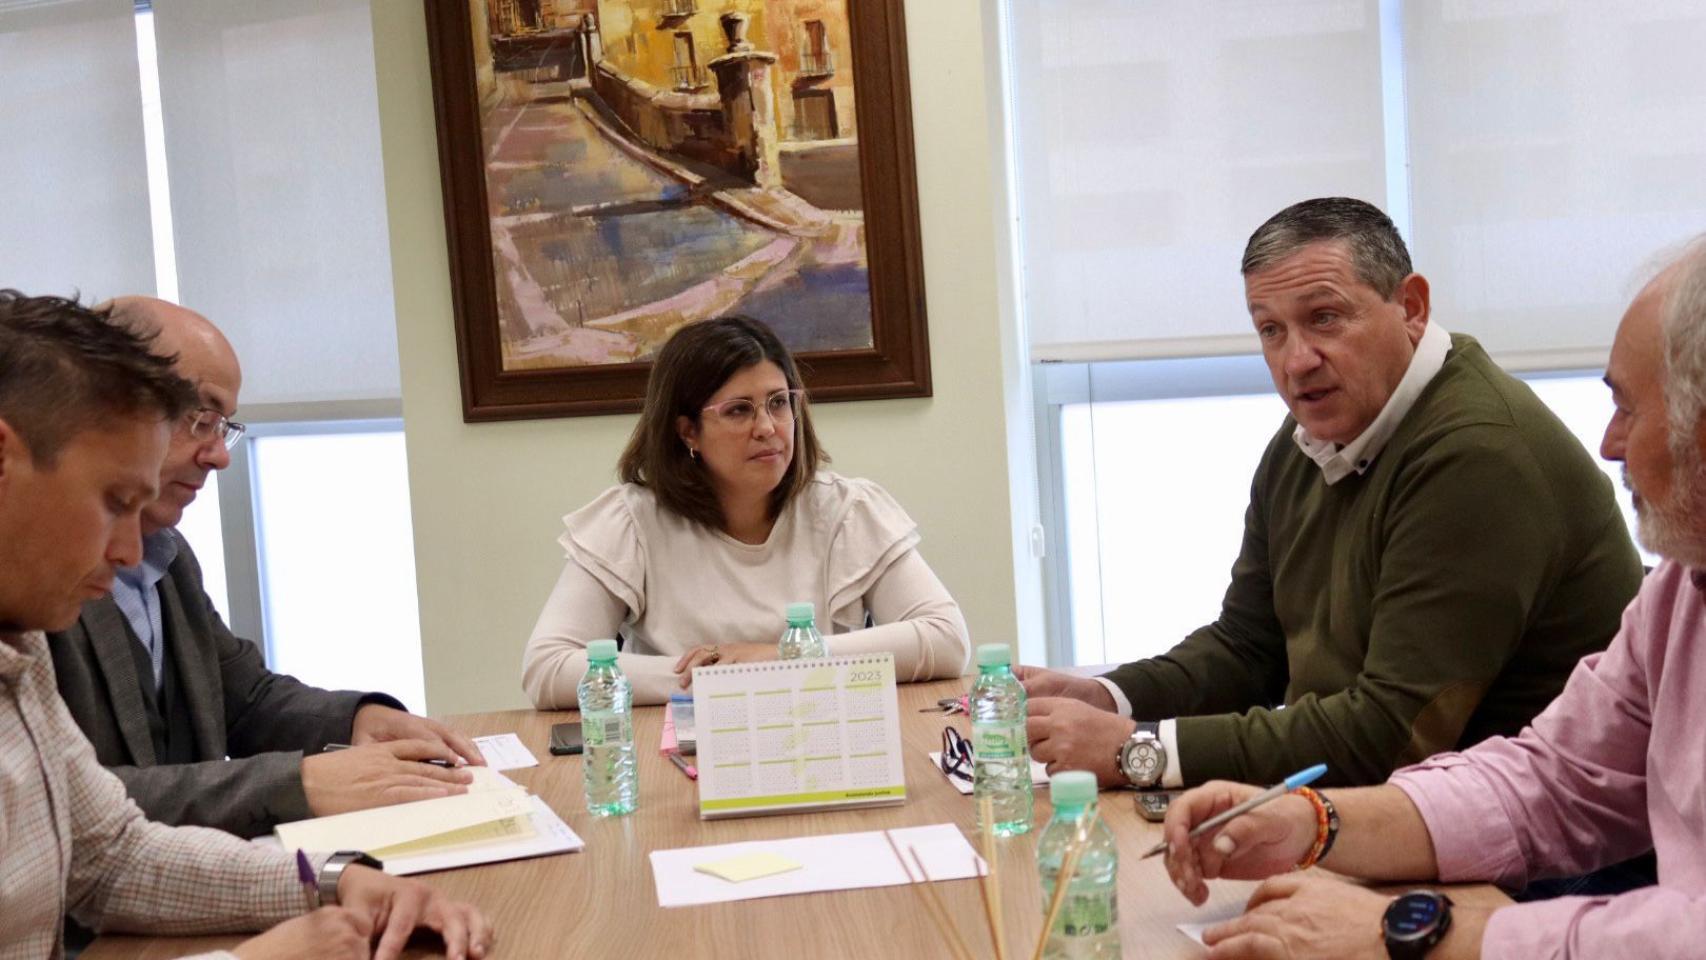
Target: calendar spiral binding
[[778, 666]]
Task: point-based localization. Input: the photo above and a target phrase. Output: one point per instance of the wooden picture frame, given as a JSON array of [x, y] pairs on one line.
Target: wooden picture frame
[[897, 362]]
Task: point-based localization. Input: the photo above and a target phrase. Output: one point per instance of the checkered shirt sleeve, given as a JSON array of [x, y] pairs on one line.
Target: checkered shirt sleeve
[[131, 874]]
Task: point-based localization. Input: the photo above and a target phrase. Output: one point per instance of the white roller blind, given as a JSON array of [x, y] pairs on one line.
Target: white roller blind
[[73, 174], [278, 197], [1555, 146], [1154, 136], [1534, 152]]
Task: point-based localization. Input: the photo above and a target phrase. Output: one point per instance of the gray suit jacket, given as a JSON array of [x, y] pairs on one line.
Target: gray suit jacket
[[263, 721]]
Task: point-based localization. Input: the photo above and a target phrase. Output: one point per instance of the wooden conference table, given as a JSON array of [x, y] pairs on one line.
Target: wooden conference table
[[601, 902]]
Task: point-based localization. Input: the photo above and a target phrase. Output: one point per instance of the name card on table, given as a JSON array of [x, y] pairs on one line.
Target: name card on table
[[790, 735]]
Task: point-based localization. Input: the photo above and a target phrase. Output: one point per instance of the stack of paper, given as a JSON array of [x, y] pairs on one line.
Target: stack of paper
[[495, 820]]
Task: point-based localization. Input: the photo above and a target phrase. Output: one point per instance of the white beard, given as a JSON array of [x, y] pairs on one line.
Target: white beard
[[1676, 528]]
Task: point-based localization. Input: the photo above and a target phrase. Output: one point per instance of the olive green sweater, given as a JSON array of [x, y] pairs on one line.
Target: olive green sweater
[[1440, 598]]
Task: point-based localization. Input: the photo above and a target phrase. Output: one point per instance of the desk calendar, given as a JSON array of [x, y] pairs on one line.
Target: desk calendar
[[789, 735]]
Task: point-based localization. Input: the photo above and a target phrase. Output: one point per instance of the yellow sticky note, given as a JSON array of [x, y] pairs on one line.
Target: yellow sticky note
[[751, 866]]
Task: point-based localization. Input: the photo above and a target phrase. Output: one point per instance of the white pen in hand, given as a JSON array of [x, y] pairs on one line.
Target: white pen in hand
[[1301, 778]]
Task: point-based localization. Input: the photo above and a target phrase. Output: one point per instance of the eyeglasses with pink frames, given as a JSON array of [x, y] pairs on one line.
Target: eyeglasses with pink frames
[[782, 406]]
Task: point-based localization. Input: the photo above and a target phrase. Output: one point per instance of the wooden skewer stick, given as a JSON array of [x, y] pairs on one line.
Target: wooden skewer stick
[[930, 891], [1063, 880], [992, 882], [954, 945], [984, 894]]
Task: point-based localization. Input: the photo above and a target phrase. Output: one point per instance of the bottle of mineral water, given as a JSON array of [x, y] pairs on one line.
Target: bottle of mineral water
[[801, 641], [1088, 924], [1001, 755], [607, 727]]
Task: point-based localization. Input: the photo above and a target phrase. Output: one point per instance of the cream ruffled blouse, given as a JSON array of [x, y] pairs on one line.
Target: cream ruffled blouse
[[668, 584]]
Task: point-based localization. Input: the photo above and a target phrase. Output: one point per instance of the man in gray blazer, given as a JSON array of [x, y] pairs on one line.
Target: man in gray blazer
[[186, 713]]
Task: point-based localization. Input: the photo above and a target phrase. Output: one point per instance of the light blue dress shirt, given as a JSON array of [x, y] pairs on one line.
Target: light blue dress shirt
[[136, 590]]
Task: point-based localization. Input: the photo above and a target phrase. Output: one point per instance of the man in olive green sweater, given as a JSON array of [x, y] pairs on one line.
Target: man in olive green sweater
[[1427, 552]]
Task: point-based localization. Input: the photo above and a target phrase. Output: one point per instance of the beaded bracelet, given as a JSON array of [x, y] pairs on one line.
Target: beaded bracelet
[[1326, 828]]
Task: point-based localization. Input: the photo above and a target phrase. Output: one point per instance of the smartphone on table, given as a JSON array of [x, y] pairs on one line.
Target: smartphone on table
[[1152, 804], [566, 738]]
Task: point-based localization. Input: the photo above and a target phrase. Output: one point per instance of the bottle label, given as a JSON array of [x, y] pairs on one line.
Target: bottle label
[[598, 731], [995, 741], [1087, 915]]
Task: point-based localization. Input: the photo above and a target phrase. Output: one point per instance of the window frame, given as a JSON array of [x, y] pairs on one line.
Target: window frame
[[239, 496]]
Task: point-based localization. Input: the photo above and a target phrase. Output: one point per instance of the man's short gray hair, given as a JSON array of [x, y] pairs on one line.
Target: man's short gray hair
[[1683, 322], [1377, 251]]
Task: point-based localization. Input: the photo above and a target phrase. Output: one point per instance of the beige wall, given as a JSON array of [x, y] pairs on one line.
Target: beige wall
[[487, 498]]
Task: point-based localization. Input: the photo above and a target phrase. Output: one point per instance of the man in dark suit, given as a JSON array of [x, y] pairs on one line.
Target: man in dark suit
[[186, 713]]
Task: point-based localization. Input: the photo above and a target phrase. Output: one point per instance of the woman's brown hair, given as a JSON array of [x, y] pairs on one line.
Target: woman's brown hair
[[688, 371]]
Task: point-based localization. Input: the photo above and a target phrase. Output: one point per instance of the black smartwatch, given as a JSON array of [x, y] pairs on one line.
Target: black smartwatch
[[1415, 922]]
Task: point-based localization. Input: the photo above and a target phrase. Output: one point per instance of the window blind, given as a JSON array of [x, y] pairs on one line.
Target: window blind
[[1154, 136], [1534, 153], [74, 197], [278, 196]]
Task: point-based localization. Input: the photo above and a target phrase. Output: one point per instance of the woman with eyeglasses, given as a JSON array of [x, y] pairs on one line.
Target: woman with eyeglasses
[[724, 517]]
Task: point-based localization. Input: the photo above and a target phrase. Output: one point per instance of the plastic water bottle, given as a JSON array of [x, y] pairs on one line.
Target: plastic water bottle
[[801, 641], [1088, 924], [607, 727], [1001, 754]]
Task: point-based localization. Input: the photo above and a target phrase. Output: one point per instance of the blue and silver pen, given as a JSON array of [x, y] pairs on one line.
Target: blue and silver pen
[[1299, 779]]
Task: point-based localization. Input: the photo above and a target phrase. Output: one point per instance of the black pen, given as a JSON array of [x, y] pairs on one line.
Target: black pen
[[446, 764]]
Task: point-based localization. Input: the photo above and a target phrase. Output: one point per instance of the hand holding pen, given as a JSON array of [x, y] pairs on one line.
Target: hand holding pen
[[1238, 832]]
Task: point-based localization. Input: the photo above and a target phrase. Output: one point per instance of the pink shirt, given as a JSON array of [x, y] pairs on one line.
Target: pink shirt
[[1572, 793]]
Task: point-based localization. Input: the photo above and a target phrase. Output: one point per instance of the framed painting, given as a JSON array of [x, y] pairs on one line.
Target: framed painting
[[616, 169]]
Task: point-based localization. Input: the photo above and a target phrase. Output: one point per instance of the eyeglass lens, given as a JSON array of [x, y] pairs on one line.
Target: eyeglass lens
[[780, 406], [207, 423]]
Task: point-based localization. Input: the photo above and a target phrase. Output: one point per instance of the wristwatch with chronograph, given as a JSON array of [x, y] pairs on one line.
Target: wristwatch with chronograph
[[1143, 758]]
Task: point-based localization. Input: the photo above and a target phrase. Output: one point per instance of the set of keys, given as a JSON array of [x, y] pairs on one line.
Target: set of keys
[[947, 705]]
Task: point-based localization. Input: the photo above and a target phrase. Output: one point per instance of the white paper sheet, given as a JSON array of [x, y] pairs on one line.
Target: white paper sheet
[[1210, 917], [505, 751], [550, 835], [842, 861], [485, 778], [1039, 774]]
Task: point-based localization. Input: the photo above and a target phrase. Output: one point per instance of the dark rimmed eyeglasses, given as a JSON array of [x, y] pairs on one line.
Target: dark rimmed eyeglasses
[[956, 754], [205, 423]]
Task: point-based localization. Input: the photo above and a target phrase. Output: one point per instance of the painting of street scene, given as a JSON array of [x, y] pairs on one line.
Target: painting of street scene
[[650, 163]]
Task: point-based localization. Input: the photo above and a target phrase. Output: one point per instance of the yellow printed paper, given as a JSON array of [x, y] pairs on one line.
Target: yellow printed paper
[[749, 866], [478, 835], [382, 827]]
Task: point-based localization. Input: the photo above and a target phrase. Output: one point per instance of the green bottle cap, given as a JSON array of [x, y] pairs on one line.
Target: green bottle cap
[[601, 651], [1072, 787], [994, 654], [801, 614]]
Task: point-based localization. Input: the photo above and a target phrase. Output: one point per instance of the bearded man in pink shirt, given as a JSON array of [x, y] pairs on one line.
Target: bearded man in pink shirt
[[1613, 767]]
